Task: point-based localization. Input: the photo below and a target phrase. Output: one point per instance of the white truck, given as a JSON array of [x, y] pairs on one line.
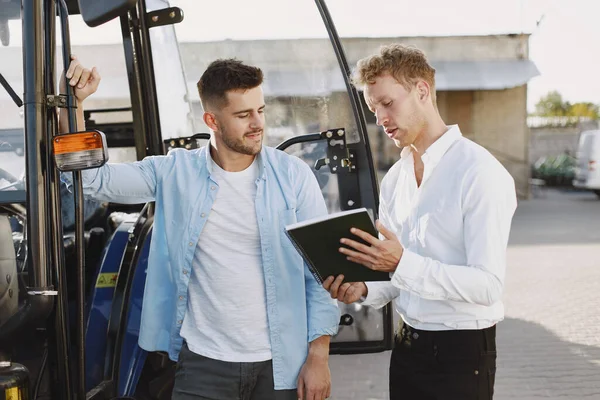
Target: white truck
[[587, 172]]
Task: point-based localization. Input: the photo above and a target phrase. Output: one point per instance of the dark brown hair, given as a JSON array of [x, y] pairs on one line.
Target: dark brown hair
[[224, 75]]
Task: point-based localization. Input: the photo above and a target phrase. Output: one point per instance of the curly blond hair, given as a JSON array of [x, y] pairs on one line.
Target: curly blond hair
[[406, 64]]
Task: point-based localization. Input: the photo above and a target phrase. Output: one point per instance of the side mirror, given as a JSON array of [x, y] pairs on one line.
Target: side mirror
[[95, 12]]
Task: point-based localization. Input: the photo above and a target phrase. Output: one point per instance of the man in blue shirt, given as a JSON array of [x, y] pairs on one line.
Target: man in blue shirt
[[227, 295]]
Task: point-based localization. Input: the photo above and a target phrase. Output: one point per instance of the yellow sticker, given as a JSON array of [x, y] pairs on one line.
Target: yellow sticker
[[13, 394], [107, 280]]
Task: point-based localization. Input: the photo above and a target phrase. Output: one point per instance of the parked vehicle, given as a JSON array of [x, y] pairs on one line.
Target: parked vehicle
[[587, 171]]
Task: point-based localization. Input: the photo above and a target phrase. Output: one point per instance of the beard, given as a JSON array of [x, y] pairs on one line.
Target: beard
[[239, 145]]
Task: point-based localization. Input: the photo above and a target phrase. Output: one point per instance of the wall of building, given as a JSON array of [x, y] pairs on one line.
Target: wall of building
[[555, 140], [500, 125], [493, 119], [550, 141]]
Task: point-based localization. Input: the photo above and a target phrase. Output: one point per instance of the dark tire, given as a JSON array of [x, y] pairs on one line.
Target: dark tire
[[597, 193], [157, 378]]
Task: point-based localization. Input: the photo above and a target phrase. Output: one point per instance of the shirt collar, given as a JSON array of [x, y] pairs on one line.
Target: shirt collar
[[208, 160], [436, 151]]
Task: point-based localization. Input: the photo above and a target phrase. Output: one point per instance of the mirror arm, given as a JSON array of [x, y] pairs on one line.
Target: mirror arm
[[11, 91]]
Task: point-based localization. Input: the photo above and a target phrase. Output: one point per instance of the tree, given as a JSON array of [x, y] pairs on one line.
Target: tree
[[553, 105], [584, 110]]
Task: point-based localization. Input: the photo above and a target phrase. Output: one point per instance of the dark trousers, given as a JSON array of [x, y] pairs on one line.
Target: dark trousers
[[202, 378], [443, 365]]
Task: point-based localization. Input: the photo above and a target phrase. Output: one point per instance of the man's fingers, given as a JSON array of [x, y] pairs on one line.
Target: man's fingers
[[327, 283], [352, 294], [358, 246], [76, 75], [317, 394], [300, 388], [365, 236], [342, 292], [74, 64], [367, 264], [85, 77], [335, 286], [94, 80], [96, 76], [364, 258]]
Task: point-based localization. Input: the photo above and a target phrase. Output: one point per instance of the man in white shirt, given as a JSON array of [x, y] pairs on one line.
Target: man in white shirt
[[445, 213]]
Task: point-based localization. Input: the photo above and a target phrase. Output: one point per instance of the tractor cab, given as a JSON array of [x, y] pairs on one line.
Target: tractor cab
[[72, 270]]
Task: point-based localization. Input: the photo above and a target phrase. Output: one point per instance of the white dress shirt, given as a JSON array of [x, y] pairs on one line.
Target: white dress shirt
[[454, 229]]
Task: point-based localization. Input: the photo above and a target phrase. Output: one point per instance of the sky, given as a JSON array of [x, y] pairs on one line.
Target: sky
[[564, 41]]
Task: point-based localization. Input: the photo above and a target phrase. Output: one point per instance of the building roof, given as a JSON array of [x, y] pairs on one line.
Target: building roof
[[483, 75], [450, 76], [283, 77]]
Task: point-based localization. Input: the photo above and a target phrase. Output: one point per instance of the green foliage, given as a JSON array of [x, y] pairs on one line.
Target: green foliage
[[553, 105]]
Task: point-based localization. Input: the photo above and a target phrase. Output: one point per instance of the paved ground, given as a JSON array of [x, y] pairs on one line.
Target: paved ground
[[549, 343]]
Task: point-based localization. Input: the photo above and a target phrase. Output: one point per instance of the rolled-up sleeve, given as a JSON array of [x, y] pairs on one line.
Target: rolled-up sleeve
[[125, 183]]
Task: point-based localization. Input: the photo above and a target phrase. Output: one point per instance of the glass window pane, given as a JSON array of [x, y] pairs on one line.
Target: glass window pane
[[102, 47], [175, 111], [304, 87], [12, 138]]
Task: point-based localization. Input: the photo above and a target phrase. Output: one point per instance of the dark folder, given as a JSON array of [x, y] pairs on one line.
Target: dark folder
[[318, 241]]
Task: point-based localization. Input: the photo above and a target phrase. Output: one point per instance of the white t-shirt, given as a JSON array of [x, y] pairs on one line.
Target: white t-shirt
[[226, 317]]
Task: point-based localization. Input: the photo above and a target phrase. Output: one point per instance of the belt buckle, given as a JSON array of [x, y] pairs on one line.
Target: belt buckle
[[404, 336]]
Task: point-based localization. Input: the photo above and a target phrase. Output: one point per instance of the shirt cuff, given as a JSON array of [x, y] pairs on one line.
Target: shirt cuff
[[410, 268], [368, 299], [376, 296], [330, 331]]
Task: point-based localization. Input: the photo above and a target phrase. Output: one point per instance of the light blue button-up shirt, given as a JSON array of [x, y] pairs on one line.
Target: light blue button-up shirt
[[299, 309]]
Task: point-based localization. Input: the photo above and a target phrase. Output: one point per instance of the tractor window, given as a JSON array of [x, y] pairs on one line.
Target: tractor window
[[303, 84], [109, 109], [12, 138]]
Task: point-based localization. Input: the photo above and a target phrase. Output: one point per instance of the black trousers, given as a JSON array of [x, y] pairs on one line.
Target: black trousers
[[443, 365]]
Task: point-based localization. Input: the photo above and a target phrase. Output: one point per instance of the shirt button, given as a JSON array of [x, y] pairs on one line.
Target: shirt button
[[203, 215], [180, 297], [180, 322], [212, 188], [191, 243], [185, 272]]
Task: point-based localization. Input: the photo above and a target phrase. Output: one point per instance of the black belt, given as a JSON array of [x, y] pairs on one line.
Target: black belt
[[407, 333]]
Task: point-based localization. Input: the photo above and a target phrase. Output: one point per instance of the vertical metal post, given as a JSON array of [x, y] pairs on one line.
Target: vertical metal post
[[79, 212], [58, 324], [36, 144]]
